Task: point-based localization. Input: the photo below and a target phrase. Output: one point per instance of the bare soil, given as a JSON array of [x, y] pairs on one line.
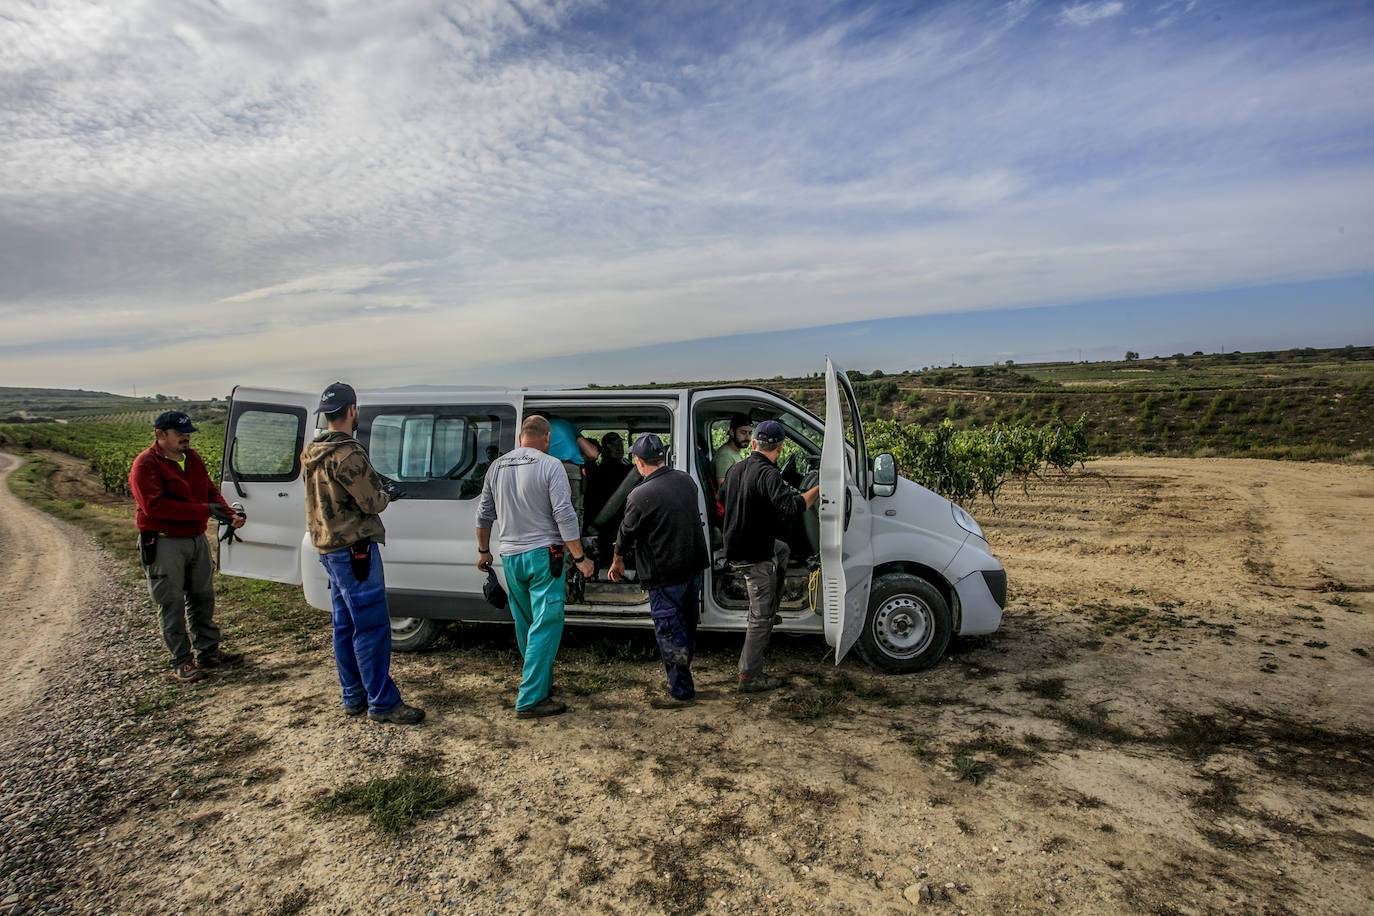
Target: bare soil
[[1172, 719]]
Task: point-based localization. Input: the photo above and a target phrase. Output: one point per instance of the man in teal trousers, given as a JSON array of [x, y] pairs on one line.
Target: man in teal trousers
[[527, 489]]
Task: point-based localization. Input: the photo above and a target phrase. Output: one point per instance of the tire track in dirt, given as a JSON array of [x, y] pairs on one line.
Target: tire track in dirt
[[49, 571]]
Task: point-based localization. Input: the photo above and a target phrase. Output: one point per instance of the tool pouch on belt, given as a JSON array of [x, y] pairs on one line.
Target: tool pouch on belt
[[360, 559], [556, 560], [147, 547]]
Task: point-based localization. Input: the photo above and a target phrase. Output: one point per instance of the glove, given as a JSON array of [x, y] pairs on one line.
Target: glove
[[221, 514], [391, 488]]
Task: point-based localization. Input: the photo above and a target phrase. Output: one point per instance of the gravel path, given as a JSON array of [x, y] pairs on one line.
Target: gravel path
[[73, 642]]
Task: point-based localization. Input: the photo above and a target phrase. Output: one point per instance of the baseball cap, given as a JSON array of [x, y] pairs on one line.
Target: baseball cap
[[336, 397], [174, 419], [769, 432], [648, 447]]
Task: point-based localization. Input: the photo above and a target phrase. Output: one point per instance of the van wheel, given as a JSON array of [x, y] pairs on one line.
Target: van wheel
[[908, 625], [411, 634]]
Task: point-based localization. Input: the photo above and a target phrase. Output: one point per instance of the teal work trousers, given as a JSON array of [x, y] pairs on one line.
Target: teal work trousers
[[536, 605]]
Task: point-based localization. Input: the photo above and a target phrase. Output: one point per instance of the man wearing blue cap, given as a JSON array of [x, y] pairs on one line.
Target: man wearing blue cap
[[344, 498], [662, 527], [759, 506], [175, 498]]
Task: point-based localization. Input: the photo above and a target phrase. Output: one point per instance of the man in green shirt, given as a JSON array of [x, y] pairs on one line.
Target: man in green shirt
[[732, 450]]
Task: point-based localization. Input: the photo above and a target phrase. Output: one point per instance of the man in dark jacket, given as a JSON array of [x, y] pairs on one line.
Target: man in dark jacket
[[344, 498], [175, 498], [663, 527], [760, 505]]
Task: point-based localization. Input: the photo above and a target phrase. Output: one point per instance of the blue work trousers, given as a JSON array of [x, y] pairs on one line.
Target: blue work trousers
[[536, 594], [362, 632], [676, 610]]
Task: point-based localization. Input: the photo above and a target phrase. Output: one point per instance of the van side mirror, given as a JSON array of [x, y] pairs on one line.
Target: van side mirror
[[884, 475]]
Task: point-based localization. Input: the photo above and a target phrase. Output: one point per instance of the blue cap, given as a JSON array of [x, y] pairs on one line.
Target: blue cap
[[336, 397], [648, 447], [769, 432], [175, 420]]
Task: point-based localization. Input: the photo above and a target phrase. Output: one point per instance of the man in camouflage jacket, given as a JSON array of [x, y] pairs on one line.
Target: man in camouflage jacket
[[344, 497]]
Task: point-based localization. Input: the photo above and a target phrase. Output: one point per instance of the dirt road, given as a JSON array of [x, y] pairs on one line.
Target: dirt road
[[1173, 719], [47, 573]]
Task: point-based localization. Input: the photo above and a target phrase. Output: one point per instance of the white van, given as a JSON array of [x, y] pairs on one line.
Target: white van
[[881, 563]]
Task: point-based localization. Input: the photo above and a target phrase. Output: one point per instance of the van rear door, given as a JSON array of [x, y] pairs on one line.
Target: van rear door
[[845, 518], [262, 472]]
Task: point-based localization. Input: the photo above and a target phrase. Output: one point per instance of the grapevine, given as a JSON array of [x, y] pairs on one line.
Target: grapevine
[[110, 447]]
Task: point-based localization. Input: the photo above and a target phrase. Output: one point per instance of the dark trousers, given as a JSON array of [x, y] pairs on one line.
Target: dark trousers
[[763, 581], [181, 581], [362, 632], [676, 610]]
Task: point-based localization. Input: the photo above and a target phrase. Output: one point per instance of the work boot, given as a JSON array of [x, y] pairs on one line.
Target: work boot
[[219, 657], [401, 714], [356, 709], [185, 674], [759, 684], [545, 707]]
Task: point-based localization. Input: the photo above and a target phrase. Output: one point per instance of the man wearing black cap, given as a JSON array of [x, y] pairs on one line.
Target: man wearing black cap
[[344, 497], [662, 526], [759, 505], [731, 451], [175, 498]]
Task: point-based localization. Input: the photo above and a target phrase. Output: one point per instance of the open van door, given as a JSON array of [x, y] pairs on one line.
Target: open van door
[[845, 518], [262, 472]]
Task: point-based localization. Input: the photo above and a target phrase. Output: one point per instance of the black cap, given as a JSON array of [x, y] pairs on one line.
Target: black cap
[[174, 419], [769, 433], [738, 420], [609, 438], [648, 447], [336, 397]]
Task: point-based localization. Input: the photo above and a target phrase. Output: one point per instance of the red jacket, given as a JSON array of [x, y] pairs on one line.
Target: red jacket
[[170, 500]]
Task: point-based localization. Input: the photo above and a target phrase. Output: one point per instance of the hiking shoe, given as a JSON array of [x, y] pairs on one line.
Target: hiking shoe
[[185, 674], [357, 709], [545, 707], [671, 702], [759, 684], [400, 715], [219, 657]]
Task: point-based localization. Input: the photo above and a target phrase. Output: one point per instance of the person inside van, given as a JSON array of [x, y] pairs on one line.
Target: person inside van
[[731, 451], [603, 478], [568, 445]]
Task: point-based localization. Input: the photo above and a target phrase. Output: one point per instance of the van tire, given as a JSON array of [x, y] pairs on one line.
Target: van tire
[[908, 624], [411, 634]]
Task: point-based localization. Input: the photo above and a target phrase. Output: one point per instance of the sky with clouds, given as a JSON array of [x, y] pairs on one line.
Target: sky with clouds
[[198, 193]]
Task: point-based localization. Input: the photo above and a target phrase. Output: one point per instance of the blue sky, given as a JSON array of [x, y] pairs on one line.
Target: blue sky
[[198, 194]]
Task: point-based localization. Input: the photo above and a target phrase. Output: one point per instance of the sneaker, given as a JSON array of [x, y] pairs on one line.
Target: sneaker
[[400, 715], [219, 657], [185, 674], [759, 684], [544, 707], [671, 702], [357, 709]]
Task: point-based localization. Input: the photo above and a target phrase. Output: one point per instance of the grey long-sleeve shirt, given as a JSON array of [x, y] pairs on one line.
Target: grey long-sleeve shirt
[[528, 491]]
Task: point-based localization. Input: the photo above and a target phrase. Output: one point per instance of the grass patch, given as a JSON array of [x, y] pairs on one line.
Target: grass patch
[[809, 704], [393, 803], [1096, 727], [967, 767]]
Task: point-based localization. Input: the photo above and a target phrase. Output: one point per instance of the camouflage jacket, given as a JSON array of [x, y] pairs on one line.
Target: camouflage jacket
[[343, 495]]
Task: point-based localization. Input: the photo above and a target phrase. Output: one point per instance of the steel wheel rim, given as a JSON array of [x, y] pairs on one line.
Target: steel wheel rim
[[903, 626], [404, 626]]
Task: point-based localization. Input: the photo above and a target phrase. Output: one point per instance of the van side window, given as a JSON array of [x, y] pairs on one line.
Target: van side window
[[266, 442], [437, 452]]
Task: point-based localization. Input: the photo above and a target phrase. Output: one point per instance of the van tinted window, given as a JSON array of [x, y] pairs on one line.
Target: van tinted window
[[437, 452]]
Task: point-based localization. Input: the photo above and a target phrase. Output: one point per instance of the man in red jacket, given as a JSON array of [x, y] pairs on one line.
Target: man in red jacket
[[175, 499]]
